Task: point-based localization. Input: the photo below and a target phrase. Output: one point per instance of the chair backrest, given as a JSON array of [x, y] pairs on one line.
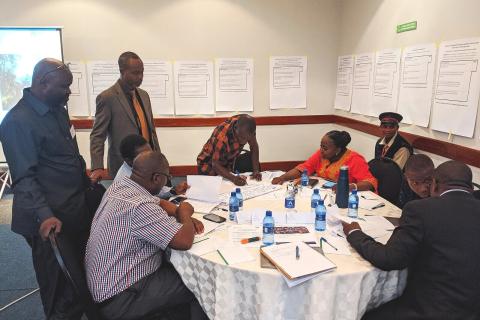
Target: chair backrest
[[74, 272], [389, 176]]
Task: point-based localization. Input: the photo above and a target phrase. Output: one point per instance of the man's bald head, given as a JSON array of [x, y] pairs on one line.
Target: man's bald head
[[150, 162], [45, 69], [451, 175]]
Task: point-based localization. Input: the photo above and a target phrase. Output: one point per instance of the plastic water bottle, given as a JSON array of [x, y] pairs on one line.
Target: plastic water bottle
[[290, 198], [353, 205], [233, 206], [304, 178], [240, 199], [268, 229], [342, 188], [320, 216], [315, 198]]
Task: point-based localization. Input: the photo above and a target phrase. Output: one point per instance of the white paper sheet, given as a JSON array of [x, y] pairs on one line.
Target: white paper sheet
[[279, 217], [202, 206], [193, 87], [300, 218], [340, 243], [288, 82], [78, 105], [204, 188], [158, 82], [457, 87], [102, 74], [237, 233], [363, 83], [234, 84], [385, 81], [235, 254], [416, 83], [203, 246], [343, 94]]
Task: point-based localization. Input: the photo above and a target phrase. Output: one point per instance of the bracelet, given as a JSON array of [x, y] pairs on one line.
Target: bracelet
[[355, 186]]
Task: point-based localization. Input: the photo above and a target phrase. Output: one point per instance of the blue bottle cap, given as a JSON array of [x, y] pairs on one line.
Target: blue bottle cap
[[238, 190], [268, 213], [233, 194], [316, 191]]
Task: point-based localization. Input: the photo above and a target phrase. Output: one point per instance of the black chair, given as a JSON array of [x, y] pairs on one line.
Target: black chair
[[74, 272], [389, 176]]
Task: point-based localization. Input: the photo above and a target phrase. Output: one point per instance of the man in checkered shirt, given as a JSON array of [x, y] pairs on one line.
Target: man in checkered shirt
[[128, 272]]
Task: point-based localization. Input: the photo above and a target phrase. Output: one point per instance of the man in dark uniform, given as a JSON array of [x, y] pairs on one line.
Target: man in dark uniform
[[49, 180], [392, 145]]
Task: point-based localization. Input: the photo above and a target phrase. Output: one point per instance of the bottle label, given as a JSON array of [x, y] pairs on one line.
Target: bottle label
[[353, 205], [233, 208], [320, 216], [268, 230], [289, 203], [240, 203], [313, 203]]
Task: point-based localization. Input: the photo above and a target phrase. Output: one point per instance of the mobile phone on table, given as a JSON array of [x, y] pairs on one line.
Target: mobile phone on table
[[328, 185], [214, 218]]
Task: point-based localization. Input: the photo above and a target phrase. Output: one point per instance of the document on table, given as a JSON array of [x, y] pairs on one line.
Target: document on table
[[78, 102], [202, 206], [233, 254], [416, 83], [101, 76], [457, 87], [203, 246], [236, 233], [363, 83], [251, 191], [307, 262], [335, 245], [234, 84], [288, 82], [343, 94], [204, 188], [158, 82], [193, 87], [385, 81]]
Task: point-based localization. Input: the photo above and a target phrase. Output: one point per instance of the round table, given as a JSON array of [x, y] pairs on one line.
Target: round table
[[247, 291]]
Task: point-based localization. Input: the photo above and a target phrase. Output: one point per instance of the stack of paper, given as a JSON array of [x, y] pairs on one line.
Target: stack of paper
[[308, 262], [252, 191], [204, 188]]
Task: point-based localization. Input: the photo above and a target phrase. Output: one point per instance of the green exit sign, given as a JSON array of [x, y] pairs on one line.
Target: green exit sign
[[409, 26]]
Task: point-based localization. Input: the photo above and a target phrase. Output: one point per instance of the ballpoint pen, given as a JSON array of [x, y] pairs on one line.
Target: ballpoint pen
[[326, 241], [297, 252]]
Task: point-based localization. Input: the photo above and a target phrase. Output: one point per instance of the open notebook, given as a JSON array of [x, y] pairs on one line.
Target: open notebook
[[284, 257]]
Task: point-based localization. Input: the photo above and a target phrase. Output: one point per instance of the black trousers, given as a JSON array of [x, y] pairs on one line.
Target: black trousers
[[159, 295], [58, 297]]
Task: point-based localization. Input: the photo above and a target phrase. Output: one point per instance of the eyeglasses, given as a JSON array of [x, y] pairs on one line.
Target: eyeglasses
[[169, 177], [62, 66]]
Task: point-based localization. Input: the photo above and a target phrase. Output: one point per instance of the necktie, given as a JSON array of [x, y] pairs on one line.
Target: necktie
[[141, 117], [384, 150]]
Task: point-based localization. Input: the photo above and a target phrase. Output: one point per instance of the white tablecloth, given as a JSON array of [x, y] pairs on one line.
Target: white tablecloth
[[246, 291]]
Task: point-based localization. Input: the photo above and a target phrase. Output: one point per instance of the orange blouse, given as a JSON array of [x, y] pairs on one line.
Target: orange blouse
[[357, 167]]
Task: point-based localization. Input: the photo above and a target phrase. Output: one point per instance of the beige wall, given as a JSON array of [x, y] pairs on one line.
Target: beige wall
[[204, 29], [370, 25]]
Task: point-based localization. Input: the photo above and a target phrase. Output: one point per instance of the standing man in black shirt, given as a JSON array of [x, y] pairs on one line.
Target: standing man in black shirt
[[49, 180]]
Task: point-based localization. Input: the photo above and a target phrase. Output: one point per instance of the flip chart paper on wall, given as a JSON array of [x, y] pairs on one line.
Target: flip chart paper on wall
[[288, 82], [158, 82], [457, 87], [234, 84], [385, 81], [78, 101], [343, 94], [416, 83], [193, 87], [101, 76], [363, 83]]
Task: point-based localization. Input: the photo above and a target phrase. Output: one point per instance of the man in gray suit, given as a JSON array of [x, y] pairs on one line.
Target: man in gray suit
[[122, 109]]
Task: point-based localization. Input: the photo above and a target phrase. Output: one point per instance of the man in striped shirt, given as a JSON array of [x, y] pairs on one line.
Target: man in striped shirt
[[127, 270]]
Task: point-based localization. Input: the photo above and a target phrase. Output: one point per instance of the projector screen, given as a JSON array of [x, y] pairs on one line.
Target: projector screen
[[20, 50]]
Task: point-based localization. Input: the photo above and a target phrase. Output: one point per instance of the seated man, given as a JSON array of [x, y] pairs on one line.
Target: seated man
[[222, 150], [438, 241], [392, 145], [130, 147], [418, 178], [128, 272]]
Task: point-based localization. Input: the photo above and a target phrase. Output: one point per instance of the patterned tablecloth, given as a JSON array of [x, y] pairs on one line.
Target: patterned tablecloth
[[246, 291]]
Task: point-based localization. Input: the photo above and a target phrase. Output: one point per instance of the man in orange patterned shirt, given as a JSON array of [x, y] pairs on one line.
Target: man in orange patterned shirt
[[221, 153]]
